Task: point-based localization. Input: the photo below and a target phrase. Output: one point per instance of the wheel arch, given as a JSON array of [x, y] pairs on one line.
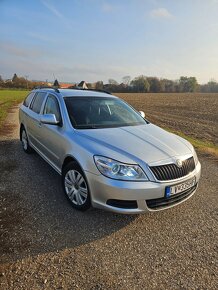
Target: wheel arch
[[68, 159]]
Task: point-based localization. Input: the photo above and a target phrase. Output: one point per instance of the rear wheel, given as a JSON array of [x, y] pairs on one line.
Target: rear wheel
[[25, 142], [75, 186]]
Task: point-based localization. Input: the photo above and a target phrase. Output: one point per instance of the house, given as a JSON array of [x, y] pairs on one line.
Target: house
[[82, 85], [8, 81]]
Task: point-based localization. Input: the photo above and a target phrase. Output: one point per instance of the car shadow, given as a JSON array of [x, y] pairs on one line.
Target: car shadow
[[36, 216]]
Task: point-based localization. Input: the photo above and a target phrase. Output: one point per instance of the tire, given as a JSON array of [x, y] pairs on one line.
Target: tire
[[75, 186], [25, 141]]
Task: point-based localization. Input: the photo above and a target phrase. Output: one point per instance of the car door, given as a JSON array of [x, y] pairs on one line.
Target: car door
[[51, 136], [33, 120]]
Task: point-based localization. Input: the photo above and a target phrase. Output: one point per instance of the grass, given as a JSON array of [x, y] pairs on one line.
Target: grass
[[9, 98], [200, 145]]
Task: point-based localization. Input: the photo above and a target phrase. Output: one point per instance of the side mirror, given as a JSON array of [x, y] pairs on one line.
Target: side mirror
[[142, 114], [49, 119]]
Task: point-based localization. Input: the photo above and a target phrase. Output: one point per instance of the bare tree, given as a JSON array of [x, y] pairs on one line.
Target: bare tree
[[113, 82], [126, 80]]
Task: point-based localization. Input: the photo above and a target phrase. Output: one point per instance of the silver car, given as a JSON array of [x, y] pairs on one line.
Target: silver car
[[108, 154]]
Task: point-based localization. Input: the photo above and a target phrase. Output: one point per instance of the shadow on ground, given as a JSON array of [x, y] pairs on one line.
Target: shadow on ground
[[35, 215]]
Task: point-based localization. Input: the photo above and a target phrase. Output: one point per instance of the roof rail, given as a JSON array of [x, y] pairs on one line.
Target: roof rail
[[47, 87], [82, 89]]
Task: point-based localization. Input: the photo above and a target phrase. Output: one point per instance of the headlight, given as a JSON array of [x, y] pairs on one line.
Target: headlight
[[117, 170]]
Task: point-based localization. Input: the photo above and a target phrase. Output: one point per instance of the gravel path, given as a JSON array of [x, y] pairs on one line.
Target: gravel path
[[45, 244]]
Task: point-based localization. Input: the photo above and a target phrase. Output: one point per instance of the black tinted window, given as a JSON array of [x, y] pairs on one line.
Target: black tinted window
[[28, 100], [37, 102], [52, 107]]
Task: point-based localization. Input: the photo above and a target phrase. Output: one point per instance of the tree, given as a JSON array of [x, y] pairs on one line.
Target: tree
[[15, 78], [126, 80], [188, 84], [19, 82], [56, 83], [155, 85], [99, 85], [168, 86], [210, 87], [1, 81], [140, 84], [113, 82]]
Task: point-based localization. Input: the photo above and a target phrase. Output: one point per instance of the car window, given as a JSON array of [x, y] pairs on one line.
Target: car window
[[101, 112], [28, 99], [52, 107], [37, 102]]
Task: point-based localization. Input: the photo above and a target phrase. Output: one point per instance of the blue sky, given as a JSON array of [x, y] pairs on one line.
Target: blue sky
[[96, 40]]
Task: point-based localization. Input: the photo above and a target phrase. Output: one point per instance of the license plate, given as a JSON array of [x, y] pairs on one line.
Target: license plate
[[175, 189]]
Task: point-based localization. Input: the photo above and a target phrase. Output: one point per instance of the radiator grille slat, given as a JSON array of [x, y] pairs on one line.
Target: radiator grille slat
[[172, 171]]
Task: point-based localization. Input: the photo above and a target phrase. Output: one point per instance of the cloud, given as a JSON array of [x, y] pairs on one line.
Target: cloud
[[160, 13], [12, 49], [66, 22], [52, 9]]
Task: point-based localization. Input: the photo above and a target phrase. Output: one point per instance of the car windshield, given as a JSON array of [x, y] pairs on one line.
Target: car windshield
[[100, 112]]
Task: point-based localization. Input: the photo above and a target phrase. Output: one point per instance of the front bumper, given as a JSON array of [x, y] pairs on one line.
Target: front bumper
[[133, 197]]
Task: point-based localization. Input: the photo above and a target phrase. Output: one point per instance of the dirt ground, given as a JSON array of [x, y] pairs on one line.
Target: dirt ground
[[45, 244], [193, 114]]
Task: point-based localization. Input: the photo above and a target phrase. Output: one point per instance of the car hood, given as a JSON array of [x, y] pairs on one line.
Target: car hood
[[148, 143]]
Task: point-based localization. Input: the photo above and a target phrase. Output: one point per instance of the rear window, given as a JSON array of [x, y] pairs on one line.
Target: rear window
[[37, 102], [28, 99]]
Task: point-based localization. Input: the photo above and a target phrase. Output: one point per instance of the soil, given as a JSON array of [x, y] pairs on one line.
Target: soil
[[193, 114]]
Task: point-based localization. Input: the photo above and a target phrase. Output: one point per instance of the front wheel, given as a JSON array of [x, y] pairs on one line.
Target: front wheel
[[25, 142], [75, 187]]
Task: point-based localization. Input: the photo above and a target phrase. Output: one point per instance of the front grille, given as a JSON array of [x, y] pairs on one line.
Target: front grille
[[163, 202], [172, 171]]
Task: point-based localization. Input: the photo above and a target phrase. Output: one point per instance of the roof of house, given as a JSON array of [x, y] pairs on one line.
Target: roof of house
[[82, 84], [66, 85]]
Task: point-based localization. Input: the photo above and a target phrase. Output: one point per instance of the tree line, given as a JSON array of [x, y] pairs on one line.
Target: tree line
[[140, 84], [19, 83], [144, 84]]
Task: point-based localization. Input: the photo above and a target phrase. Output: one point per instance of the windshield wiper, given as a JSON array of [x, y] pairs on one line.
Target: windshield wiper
[[86, 127]]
